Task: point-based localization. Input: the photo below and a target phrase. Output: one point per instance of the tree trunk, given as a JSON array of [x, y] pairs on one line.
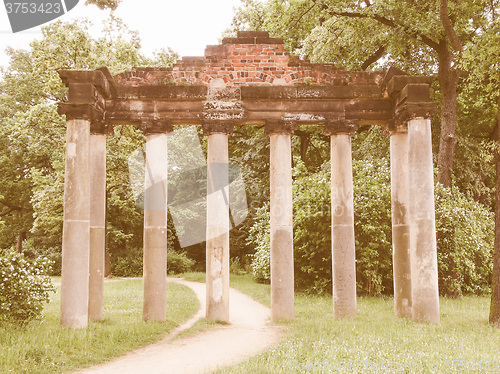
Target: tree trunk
[[495, 286], [448, 80], [20, 238]]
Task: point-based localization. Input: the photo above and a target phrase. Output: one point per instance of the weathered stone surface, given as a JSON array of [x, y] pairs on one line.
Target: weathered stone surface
[[218, 224], [218, 127], [156, 127], [96, 78], [339, 126], [76, 226], [396, 84], [155, 229], [281, 207], [343, 243], [400, 224], [280, 127], [423, 252], [97, 226]]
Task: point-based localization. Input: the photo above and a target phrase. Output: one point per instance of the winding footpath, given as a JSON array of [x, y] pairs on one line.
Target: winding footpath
[[248, 334]]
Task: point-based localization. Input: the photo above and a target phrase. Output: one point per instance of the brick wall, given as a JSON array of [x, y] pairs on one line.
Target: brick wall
[[252, 58]]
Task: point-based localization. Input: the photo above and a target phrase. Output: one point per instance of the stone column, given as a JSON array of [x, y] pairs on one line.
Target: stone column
[[343, 244], [282, 273], [76, 226], [423, 252], [155, 224], [400, 225], [97, 225], [218, 224]]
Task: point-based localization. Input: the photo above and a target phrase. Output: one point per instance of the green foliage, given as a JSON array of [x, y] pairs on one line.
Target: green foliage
[[260, 237], [311, 221], [130, 263], [178, 262], [25, 287], [104, 4], [312, 244], [239, 266], [465, 236], [372, 226], [32, 134]]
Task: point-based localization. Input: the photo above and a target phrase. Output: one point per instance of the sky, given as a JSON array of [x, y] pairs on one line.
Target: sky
[[186, 26]]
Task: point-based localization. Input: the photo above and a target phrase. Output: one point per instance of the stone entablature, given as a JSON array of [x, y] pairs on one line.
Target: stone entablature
[[252, 58]]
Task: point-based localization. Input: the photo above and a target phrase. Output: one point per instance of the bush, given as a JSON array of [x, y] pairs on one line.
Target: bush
[[130, 265], [25, 287], [464, 234], [238, 266], [178, 262], [372, 226], [260, 237], [465, 237], [311, 220]]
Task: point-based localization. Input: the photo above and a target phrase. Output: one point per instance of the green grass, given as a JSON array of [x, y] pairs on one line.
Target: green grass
[[316, 343], [45, 347]]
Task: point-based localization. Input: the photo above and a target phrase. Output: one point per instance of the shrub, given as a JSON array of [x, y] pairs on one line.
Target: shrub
[[25, 287], [372, 226], [130, 265], [238, 266], [465, 238], [311, 220], [260, 237], [464, 234], [178, 262]]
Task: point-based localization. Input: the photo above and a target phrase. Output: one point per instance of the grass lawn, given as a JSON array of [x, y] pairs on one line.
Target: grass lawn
[[45, 347], [375, 341]]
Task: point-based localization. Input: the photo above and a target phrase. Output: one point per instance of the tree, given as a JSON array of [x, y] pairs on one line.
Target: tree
[[104, 4], [484, 56], [32, 134], [426, 36]]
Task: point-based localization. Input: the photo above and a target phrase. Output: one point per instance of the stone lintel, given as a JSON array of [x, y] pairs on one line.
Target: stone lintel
[[405, 113], [339, 126], [164, 92], [398, 82], [216, 127], [96, 78], [280, 127], [337, 92], [155, 126], [414, 93]]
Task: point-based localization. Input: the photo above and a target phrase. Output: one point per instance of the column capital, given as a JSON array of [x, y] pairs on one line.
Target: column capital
[[409, 111], [339, 126], [274, 127], [217, 127], [84, 111], [100, 127], [155, 127]]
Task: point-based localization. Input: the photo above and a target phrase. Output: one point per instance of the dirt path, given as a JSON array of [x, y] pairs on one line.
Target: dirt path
[[247, 335]]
